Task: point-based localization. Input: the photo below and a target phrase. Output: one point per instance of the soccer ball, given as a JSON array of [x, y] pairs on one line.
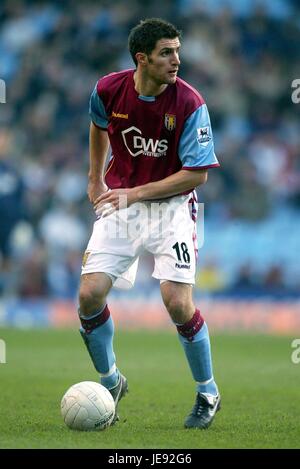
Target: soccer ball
[[87, 406]]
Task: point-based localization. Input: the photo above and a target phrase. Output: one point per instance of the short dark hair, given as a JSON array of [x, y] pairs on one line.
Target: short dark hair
[[144, 36]]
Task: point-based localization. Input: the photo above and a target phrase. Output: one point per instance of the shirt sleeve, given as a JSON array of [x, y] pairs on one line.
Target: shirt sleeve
[[196, 146], [97, 110]]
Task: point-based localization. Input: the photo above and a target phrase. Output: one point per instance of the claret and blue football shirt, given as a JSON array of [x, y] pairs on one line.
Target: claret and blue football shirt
[[151, 137]]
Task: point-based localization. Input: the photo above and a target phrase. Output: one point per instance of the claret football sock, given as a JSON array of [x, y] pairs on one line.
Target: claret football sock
[[97, 332], [194, 338]]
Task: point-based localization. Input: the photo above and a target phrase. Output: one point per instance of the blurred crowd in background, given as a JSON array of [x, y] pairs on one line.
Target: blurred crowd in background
[[242, 56]]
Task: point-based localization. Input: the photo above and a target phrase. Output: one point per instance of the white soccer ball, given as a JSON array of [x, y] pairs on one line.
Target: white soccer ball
[[87, 406]]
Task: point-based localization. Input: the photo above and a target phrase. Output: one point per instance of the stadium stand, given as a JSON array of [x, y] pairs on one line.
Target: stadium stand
[[242, 58]]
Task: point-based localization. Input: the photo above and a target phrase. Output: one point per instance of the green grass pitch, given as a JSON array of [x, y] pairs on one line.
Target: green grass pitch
[[259, 385]]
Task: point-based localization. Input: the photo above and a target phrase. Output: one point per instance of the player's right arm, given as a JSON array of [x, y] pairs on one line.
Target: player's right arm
[[99, 144]]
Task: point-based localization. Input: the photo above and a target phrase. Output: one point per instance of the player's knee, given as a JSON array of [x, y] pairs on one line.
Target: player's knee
[[91, 298], [178, 308], [93, 291]]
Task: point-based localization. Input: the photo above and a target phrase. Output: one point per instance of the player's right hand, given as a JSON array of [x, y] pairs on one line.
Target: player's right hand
[[95, 189]]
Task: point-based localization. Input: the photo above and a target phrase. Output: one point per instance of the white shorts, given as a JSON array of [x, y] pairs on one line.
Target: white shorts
[[165, 228]]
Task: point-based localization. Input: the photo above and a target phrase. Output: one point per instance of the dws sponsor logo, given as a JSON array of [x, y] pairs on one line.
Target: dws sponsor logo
[[136, 144]]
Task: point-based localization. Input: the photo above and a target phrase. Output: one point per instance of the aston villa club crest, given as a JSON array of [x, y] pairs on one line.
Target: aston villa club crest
[[170, 121]]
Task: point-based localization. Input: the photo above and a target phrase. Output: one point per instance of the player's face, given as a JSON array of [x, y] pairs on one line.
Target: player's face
[[163, 62]]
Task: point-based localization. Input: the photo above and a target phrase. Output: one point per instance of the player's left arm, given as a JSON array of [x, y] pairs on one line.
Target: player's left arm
[[177, 183], [196, 152]]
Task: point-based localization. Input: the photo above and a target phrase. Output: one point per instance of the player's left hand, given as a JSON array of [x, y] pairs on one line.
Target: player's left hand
[[113, 200]]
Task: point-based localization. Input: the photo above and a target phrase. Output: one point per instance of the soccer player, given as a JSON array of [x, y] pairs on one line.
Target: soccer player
[[161, 140]]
